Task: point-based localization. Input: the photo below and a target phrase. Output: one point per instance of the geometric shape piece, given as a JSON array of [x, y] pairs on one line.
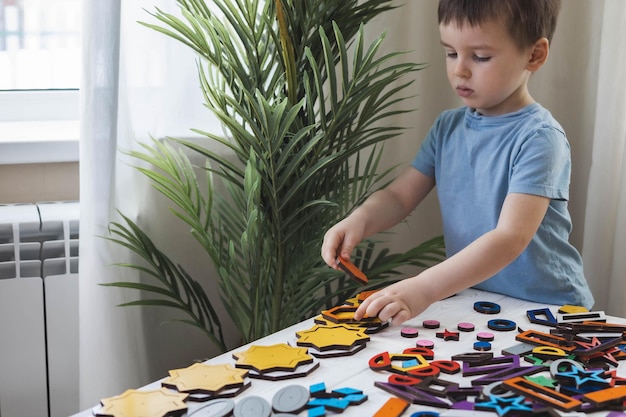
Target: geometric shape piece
[[290, 399], [331, 337], [542, 316], [136, 403], [431, 324], [548, 353], [279, 357], [482, 346], [485, 336], [394, 407], [447, 367], [218, 408], [352, 270], [491, 365], [486, 307], [280, 375], [448, 335], [205, 379], [502, 406], [316, 412], [598, 316], [345, 391], [542, 394], [521, 349], [318, 389], [345, 314], [545, 339], [336, 353], [605, 396], [501, 325], [465, 327], [571, 309], [409, 332], [428, 344], [252, 406], [580, 378], [223, 394]]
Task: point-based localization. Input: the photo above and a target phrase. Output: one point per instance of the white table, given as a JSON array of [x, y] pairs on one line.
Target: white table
[[354, 371]]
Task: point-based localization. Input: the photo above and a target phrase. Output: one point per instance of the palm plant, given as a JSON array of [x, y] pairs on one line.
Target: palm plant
[[304, 103]]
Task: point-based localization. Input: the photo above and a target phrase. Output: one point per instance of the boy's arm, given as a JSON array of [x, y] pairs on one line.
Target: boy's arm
[[519, 220], [382, 210]]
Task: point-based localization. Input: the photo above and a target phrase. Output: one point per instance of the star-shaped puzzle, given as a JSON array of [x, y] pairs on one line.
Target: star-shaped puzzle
[[279, 357], [205, 379], [336, 337], [136, 403]]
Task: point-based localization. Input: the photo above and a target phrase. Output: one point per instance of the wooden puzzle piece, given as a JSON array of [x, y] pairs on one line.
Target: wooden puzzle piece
[[290, 399], [607, 396], [331, 337], [352, 270], [394, 407], [205, 379], [544, 395], [279, 357], [252, 406], [152, 403]]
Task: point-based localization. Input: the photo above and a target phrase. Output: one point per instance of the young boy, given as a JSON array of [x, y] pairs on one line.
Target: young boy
[[501, 166]]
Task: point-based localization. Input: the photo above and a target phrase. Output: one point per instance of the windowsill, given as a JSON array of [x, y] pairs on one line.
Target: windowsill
[[28, 142]]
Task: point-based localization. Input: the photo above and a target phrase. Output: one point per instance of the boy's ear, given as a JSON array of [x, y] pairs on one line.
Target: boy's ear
[[539, 54]]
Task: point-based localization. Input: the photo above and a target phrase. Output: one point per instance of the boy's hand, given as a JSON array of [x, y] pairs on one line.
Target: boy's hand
[[340, 240], [399, 302]]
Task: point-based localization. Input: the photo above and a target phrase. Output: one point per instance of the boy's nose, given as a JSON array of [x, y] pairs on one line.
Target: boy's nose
[[461, 70]]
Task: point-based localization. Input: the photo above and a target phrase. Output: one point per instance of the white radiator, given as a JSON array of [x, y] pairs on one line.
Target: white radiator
[[39, 309]]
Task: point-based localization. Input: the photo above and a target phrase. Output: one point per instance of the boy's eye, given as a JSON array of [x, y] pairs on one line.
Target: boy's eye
[[481, 58], [451, 54]]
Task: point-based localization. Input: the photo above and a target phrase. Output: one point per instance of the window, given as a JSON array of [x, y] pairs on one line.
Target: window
[[39, 80]]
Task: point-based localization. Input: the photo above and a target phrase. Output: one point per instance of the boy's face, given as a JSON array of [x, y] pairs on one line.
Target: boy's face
[[486, 68]]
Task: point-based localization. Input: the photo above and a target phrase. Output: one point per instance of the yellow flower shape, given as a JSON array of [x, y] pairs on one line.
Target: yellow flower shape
[[136, 403], [279, 357], [332, 337], [205, 379]]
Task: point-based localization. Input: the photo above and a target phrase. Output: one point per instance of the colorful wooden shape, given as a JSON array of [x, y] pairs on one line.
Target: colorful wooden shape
[[290, 399], [580, 378], [482, 346], [542, 316], [331, 337], [607, 396], [487, 307], [336, 353], [279, 357], [223, 394], [345, 314], [352, 270], [431, 324], [136, 403], [507, 373], [279, 375], [252, 406], [503, 405], [448, 335], [520, 349], [466, 327], [502, 325], [490, 365], [544, 395], [473, 357], [535, 337], [596, 316], [205, 379], [393, 407], [412, 394], [571, 309], [409, 332]]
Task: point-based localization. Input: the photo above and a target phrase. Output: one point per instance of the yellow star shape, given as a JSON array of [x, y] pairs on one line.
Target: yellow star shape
[[135, 403], [279, 357], [331, 337], [205, 379]]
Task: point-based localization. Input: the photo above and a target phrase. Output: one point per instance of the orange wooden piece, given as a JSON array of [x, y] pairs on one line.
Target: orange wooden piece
[[394, 407], [544, 395], [351, 269], [607, 395]]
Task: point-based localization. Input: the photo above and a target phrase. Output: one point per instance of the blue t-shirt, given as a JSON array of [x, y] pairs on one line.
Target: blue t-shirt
[[476, 161]]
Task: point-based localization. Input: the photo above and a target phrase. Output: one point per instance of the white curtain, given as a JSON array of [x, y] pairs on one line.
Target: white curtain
[[604, 247], [138, 83]]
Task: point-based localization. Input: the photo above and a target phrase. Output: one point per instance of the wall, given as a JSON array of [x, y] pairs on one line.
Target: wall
[[30, 183]]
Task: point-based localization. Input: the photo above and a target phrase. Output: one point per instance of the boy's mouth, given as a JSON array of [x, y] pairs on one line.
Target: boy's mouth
[[464, 91]]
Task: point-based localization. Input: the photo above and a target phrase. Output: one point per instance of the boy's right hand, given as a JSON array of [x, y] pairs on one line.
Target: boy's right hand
[[341, 239]]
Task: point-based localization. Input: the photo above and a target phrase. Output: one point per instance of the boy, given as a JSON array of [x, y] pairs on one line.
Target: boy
[[501, 165]]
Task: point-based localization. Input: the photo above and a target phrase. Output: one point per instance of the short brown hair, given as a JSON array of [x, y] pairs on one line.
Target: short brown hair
[[527, 20]]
